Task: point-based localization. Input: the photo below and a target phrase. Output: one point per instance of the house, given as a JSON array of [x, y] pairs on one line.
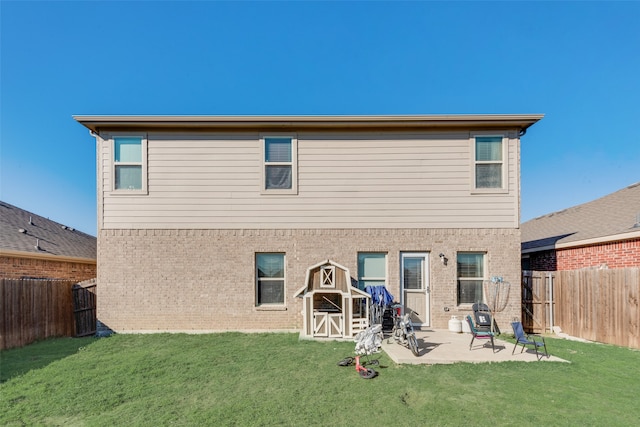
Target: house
[[32, 246], [211, 223], [603, 233]]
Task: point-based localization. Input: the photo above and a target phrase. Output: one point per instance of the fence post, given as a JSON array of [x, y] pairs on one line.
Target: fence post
[[550, 280]]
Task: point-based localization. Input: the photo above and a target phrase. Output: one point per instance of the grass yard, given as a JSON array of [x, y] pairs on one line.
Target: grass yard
[[234, 379]]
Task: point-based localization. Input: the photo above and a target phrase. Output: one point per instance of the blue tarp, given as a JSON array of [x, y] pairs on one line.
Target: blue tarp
[[379, 295]]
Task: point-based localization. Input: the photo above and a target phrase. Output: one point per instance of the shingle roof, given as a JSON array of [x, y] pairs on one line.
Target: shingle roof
[[615, 214], [53, 238]]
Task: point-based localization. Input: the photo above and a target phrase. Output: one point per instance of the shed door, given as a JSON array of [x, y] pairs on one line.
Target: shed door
[[414, 280]]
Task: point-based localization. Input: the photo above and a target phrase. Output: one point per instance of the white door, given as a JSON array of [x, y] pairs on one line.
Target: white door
[[414, 281]]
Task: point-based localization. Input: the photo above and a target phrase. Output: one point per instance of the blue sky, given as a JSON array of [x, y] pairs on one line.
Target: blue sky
[[576, 62]]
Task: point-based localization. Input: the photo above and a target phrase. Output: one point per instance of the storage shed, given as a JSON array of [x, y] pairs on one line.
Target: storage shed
[[332, 307]]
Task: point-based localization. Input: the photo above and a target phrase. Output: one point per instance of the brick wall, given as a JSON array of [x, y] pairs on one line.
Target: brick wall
[[543, 261], [204, 280], [612, 255], [609, 255], [18, 267]]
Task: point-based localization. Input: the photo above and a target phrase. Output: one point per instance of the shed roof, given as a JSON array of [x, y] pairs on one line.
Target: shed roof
[[610, 218], [21, 231], [300, 292]]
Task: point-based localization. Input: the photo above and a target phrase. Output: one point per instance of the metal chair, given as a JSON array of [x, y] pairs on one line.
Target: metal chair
[[479, 334], [528, 339]]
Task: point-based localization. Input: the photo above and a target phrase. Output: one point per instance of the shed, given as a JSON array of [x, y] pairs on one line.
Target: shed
[[332, 307]]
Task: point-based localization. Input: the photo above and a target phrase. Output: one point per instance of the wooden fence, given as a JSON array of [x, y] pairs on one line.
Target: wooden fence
[[84, 308], [599, 305], [537, 301], [35, 309]]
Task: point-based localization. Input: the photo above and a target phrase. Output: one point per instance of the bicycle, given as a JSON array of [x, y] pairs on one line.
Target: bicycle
[[367, 343], [361, 369], [403, 332]]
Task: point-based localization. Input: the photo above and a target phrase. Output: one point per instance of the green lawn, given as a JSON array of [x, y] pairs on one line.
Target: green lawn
[[276, 379]]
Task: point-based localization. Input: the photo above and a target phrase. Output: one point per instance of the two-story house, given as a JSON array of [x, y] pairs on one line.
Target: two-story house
[[209, 223]]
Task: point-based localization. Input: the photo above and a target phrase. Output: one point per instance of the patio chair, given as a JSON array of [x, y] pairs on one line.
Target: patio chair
[[479, 334], [528, 339], [483, 318]]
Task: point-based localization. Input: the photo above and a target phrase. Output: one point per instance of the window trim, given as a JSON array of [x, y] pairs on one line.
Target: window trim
[[505, 163], [375, 278], [425, 256], [275, 305], [459, 279], [328, 276], [144, 178], [294, 164]]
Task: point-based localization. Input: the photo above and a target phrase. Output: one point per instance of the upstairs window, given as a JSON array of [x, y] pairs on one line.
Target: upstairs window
[[489, 168], [129, 166], [279, 174]]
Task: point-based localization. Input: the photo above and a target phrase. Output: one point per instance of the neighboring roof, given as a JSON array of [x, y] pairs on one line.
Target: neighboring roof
[[264, 123], [611, 218], [21, 231]]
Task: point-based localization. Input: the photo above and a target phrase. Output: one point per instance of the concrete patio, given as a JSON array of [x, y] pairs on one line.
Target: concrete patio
[[444, 346]]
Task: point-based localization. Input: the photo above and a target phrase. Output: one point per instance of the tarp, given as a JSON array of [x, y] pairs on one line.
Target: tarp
[[379, 295]]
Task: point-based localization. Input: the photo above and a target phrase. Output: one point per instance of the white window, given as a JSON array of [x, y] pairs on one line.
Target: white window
[[489, 170], [270, 279], [372, 269], [129, 164], [279, 170], [470, 277]]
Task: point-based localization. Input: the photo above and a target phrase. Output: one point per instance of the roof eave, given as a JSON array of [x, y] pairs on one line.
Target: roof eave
[[586, 242], [46, 256], [495, 121]]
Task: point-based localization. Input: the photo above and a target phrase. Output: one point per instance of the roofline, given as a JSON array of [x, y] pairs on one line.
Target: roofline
[[302, 290], [495, 121], [538, 249], [585, 242], [49, 257], [595, 240]]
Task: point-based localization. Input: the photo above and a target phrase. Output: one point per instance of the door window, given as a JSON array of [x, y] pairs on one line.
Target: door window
[[413, 272]]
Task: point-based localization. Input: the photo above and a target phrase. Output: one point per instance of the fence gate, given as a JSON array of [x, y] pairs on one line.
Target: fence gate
[[537, 301], [84, 308]]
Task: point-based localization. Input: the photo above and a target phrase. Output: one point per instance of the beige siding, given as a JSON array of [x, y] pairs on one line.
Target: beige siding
[[358, 180]]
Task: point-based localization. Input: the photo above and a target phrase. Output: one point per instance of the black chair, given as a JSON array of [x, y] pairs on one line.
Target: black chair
[[480, 334], [483, 318], [528, 339]]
